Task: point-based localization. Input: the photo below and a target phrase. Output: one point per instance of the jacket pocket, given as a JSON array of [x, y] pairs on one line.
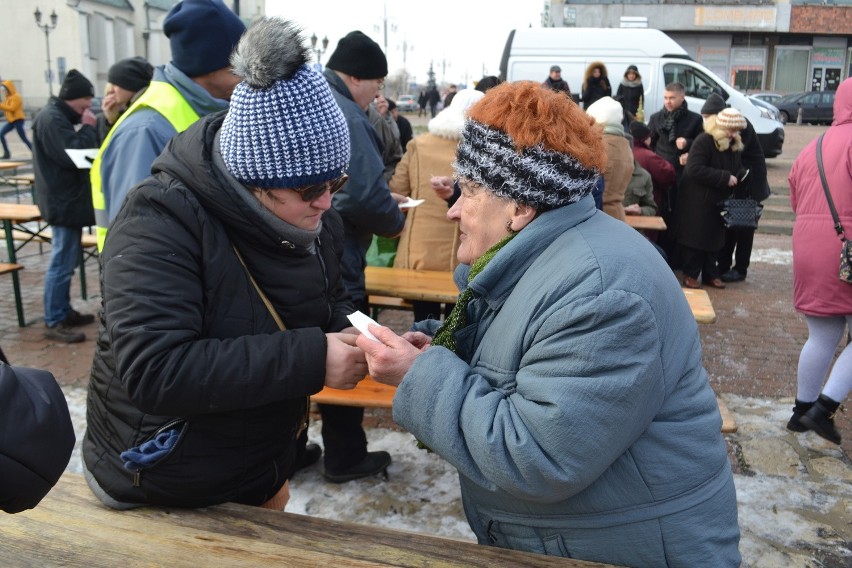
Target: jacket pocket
[[156, 448]]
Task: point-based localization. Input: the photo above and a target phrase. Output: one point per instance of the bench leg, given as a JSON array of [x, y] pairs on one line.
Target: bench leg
[[16, 283], [83, 274]]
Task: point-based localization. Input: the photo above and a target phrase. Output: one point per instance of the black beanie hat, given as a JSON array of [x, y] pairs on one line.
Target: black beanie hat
[[359, 56], [639, 131], [202, 35], [76, 86], [133, 73], [36, 436], [714, 105]]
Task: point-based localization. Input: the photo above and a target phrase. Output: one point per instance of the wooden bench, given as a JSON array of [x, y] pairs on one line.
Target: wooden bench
[[379, 303], [646, 222], [372, 394], [70, 527]]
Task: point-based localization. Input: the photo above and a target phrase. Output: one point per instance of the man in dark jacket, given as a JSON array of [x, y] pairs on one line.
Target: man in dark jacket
[[555, 81], [64, 197], [355, 72], [673, 130]]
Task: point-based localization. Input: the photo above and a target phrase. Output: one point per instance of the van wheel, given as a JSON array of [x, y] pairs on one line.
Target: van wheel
[[784, 117]]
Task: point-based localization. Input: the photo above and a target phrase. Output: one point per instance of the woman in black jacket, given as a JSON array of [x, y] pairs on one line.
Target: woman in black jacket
[[595, 84], [713, 170], [223, 303], [630, 93]]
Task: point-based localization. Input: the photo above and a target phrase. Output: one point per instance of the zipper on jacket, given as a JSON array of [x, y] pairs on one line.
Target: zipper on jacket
[[324, 278], [137, 475]]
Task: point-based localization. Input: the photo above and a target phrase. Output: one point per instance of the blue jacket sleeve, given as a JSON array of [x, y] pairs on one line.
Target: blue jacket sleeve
[[365, 201], [127, 160]]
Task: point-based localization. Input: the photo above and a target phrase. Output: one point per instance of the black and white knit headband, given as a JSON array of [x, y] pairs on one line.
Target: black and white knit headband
[[541, 178]]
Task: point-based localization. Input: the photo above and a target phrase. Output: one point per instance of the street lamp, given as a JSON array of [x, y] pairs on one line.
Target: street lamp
[[47, 29], [317, 50]]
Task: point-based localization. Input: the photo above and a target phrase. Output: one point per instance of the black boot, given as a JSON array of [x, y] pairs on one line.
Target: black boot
[[308, 456], [820, 419], [795, 424], [373, 463], [5, 156]]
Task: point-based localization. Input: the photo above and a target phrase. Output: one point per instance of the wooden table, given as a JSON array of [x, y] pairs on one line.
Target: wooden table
[[437, 286], [646, 223], [70, 527], [9, 170], [13, 216], [425, 285]]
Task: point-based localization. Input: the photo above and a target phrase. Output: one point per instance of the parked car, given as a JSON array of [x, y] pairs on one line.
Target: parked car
[[817, 107], [767, 97], [407, 103], [762, 105]]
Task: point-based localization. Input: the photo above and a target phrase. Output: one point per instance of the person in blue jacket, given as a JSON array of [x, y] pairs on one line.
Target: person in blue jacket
[[566, 386]]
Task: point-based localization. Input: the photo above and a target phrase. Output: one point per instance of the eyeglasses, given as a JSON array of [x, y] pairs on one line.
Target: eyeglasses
[[309, 193]]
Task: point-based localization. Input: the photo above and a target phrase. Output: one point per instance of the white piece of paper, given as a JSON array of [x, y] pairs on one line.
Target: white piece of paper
[[82, 158], [411, 203], [360, 320]]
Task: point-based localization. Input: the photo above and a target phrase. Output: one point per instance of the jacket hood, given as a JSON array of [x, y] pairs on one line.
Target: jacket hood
[[843, 103], [10, 86], [592, 66], [449, 122]]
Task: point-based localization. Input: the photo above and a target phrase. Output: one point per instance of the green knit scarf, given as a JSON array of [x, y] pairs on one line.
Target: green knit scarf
[[446, 334]]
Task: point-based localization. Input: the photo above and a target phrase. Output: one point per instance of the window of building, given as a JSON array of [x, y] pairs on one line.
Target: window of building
[[791, 69]]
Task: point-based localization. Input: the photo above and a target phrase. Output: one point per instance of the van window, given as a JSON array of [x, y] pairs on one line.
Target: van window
[[697, 84]]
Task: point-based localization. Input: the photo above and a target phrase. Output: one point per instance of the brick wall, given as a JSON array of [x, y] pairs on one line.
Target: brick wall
[[821, 19]]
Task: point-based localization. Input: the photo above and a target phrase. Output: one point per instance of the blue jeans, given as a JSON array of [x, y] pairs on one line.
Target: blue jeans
[[64, 256], [17, 125]]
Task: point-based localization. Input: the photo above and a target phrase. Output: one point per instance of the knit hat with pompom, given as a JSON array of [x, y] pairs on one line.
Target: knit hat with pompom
[[283, 128]]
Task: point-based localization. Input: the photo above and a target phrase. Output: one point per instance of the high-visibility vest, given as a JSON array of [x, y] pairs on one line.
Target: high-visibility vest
[[166, 100]]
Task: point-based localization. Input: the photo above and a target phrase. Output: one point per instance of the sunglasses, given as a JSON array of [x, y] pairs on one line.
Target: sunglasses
[[309, 193]]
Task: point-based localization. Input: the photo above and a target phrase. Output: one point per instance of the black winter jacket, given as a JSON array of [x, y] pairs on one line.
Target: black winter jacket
[[689, 126], [64, 192], [186, 342], [704, 185]]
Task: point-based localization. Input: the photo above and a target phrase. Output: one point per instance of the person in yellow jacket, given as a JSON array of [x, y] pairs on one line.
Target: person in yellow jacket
[[13, 106], [198, 81]]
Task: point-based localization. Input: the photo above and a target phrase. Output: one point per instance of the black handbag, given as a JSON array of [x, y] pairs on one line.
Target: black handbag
[[740, 213], [845, 272]]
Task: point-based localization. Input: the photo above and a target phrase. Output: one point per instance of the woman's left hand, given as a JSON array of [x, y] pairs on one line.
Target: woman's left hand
[[389, 358]]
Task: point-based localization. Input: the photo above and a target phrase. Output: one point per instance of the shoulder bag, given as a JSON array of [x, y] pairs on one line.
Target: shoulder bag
[[740, 213], [846, 247]]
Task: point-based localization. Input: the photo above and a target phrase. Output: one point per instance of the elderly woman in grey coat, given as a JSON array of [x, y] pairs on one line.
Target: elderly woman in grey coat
[[566, 386]]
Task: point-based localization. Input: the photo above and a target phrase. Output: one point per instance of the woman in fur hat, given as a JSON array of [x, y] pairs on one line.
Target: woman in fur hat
[[566, 386], [713, 169], [595, 84]]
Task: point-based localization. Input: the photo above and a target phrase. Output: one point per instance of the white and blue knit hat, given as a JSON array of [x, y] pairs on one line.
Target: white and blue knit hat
[[283, 128]]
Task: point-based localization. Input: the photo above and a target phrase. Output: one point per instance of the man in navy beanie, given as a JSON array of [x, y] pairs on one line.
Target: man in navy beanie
[[197, 82], [356, 72]]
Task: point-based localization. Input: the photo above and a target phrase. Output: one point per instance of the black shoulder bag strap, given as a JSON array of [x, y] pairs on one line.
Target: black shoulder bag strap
[[837, 226]]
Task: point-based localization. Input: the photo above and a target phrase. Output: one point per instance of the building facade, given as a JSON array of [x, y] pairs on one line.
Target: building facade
[[89, 35], [755, 45]]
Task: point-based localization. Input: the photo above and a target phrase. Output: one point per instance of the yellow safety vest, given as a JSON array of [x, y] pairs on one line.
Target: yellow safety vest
[[166, 100]]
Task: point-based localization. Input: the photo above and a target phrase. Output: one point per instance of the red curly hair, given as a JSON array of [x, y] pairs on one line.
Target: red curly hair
[[531, 114]]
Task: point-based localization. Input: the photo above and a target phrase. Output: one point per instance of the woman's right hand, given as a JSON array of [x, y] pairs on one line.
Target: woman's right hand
[[345, 364], [732, 181], [443, 186]]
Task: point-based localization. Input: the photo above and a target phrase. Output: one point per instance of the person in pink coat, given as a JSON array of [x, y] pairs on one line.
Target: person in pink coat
[[818, 293]]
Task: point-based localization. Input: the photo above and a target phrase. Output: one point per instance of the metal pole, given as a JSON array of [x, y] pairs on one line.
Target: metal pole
[[49, 72]]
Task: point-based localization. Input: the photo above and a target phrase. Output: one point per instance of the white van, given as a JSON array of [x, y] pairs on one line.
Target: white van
[[529, 53]]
